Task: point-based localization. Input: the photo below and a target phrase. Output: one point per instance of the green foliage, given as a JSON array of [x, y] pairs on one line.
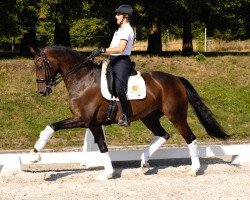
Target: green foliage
[[91, 31], [45, 31], [9, 21], [27, 13], [224, 19], [172, 33], [227, 20], [200, 57], [198, 29]]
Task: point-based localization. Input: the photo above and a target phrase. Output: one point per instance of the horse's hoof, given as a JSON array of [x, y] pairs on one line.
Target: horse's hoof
[[192, 173], [34, 157], [144, 166], [103, 176]]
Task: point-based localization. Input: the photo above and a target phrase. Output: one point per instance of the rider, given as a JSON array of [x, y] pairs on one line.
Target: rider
[[119, 54]]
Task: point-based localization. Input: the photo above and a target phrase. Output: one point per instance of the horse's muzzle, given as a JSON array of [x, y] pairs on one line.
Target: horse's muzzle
[[46, 92]]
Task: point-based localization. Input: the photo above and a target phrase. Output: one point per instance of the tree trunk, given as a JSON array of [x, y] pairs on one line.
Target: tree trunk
[[187, 44], [154, 38], [61, 35], [29, 39]]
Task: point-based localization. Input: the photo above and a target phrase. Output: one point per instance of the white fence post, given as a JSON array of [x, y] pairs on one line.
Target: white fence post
[[205, 42], [91, 150]]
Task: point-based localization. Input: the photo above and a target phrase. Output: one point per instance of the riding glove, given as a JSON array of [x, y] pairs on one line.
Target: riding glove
[[97, 52]]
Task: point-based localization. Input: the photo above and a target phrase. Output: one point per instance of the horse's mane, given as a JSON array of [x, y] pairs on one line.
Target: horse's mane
[[65, 51]]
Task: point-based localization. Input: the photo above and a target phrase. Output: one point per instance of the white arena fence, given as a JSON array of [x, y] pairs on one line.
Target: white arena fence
[[90, 155]]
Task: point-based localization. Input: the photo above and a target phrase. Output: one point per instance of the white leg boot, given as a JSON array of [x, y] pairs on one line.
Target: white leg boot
[[108, 168], [45, 135], [154, 146], [194, 154]]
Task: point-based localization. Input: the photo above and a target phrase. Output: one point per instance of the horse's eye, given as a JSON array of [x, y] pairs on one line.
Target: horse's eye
[[39, 68]]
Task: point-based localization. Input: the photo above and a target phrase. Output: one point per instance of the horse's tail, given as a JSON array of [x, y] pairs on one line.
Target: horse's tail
[[203, 113]]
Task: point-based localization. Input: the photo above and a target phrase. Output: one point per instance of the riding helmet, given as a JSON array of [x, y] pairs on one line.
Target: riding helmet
[[125, 9]]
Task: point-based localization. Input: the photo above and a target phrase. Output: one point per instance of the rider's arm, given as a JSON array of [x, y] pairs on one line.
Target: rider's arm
[[117, 50]]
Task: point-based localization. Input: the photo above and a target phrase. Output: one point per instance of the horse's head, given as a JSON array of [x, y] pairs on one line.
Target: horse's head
[[46, 70]]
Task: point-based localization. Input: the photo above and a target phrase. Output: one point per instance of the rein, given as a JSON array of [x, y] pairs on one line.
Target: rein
[[56, 80]]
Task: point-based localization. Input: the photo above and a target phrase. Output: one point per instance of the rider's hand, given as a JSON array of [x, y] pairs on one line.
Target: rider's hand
[[97, 52]]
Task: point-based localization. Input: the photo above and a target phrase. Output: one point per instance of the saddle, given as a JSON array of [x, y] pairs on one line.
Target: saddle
[[136, 88], [111, 81]]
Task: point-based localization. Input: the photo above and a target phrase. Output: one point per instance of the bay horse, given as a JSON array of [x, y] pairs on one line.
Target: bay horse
[[166, 94]]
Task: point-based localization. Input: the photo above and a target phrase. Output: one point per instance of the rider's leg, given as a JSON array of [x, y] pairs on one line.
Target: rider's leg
[[123, 121], [122, 68]]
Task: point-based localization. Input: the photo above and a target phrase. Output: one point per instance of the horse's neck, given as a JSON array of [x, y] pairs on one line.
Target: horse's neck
[[83, 78]]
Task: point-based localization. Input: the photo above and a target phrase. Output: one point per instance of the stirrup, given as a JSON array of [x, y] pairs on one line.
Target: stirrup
[[124, 121]]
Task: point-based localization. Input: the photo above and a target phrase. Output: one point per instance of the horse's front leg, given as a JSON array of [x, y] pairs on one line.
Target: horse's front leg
[[46, 134], [105, 157]]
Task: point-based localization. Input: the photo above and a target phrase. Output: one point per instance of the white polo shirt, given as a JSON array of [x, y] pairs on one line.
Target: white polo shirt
[[125, 32]]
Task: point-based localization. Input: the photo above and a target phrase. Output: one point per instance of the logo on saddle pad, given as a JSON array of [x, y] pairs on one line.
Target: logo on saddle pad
[[136, 86]]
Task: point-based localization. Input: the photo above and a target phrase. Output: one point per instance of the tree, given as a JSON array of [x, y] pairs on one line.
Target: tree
[[149, 15], [154, 15], [61, 34], [27, 11], [187, 44], [154, 37], [62, 13], [9, 22], [228, 19], [19, 18]]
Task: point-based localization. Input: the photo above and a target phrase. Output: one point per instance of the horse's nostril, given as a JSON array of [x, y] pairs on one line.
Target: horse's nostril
[[41, 93]]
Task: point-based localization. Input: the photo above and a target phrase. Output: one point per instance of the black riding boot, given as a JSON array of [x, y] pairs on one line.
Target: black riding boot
[[123, 120]]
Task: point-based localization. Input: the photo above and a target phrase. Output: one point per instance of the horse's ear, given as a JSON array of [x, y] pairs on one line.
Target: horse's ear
[[34, 50]]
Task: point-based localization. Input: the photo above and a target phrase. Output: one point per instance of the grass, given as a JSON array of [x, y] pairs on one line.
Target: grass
[[214, 45], [223, 81]]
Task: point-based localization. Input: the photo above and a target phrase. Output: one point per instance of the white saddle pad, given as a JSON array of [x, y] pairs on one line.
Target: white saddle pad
[[136, 85]]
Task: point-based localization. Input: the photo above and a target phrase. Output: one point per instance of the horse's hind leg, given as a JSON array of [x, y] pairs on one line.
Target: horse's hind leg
[[152, 122], [180, 122], [105, 157], [190, 138], [175, 109]]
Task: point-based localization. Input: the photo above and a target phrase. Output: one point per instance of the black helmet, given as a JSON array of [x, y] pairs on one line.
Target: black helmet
[[125, 9]]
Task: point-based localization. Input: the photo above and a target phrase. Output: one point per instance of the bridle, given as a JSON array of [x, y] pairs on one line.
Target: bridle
[[50, 80]]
